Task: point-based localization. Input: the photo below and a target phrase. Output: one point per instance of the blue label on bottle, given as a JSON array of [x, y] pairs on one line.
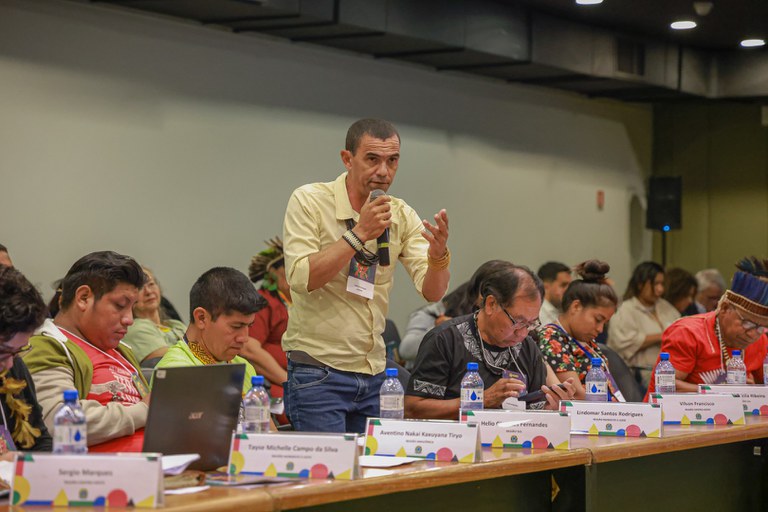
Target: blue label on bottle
[[471, 395]]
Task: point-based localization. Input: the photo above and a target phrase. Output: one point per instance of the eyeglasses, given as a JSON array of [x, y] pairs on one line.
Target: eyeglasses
[[748, 325], [5, 354], [516, 325]]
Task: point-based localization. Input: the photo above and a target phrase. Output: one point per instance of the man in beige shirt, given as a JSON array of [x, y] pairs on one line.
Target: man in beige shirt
[[340, 293]]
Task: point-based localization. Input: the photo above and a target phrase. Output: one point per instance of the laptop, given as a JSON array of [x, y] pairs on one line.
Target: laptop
[[194, 409]]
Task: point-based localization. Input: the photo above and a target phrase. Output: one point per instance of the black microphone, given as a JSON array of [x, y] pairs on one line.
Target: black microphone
[[382, 243]]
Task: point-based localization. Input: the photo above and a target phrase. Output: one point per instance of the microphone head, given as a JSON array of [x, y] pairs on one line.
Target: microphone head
[[376, 193]]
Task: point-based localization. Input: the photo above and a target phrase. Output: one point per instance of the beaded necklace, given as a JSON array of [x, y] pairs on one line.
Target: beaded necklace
[[723, 351], [199, 352], [486, 362]]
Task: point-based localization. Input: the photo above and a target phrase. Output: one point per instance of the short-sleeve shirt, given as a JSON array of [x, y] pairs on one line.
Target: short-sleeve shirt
[[694, 349], [269, 325], [563, 354], [443, 356]]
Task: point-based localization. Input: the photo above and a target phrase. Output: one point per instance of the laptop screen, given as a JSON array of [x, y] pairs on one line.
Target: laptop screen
[[194, 410]]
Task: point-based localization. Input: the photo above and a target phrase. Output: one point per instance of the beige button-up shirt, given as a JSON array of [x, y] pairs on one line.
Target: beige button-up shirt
[[631, 324], [336, 327]]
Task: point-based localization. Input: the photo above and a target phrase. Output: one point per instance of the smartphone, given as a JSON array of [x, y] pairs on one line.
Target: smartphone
[[537, 396]]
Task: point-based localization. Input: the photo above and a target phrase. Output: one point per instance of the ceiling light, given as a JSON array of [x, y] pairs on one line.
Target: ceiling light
[[589, 2], [752, 43], [703, 8], [683, 25]]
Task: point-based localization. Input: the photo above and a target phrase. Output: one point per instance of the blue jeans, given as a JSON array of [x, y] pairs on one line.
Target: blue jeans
[[321, 399]]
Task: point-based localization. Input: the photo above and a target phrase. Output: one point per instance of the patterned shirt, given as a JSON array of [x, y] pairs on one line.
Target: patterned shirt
[[562, 352], [112, 375], [446, 350]]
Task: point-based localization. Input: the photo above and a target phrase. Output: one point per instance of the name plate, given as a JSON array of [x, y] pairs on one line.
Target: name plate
[[431, 440], [754, 398], [109, 480], [295, 455], [622, 419], [697, 409], [522, 429]]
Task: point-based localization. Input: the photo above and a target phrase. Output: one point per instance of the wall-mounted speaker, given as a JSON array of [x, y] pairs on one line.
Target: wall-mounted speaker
[[664, 203]]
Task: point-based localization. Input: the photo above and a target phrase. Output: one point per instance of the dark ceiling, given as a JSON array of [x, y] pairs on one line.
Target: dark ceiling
[[723, 28], [622, 49]]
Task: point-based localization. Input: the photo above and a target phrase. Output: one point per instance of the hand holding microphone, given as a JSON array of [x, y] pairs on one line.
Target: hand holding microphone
[[382, 241]]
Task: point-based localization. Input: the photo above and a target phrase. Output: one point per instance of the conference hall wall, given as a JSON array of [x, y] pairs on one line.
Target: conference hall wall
[[180, 145], [721, 152]]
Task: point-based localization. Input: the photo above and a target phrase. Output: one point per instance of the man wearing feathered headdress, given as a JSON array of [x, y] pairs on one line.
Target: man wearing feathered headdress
[[700, 346], [265, 349]]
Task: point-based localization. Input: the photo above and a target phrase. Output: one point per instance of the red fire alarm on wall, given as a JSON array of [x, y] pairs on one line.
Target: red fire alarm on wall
[[600, 200]]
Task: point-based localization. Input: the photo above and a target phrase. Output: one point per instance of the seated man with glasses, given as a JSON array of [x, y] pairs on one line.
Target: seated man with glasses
[[82, 350], [700, 346], [21, 310], [496, 337]]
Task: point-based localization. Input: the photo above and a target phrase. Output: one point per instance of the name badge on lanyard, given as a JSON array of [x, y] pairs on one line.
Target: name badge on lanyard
[[361, 278], [6, 440], [139, 384], [512, 374]]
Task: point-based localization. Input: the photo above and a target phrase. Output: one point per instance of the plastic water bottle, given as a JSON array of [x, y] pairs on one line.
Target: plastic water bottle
[[471, 390], [665, 375], [765, 370], [596, 382], [69, 427], [256, 408], [391, 397], [736, 370]]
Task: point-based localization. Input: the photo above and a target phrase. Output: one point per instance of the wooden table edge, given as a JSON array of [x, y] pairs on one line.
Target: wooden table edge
[[695, 439], [286, 498], [237, 500]]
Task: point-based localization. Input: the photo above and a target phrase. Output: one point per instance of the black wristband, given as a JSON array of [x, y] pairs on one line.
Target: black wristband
[[352, 240]]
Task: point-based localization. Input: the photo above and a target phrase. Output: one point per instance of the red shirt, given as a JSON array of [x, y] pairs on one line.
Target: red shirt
[[112, 382], [694, 349], [269, 326], [112, 376]]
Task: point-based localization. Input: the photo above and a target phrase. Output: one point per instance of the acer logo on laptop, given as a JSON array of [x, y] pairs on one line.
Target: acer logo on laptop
[[195, 415]]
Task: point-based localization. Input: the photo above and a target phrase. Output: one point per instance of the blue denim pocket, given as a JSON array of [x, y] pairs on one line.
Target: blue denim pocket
[[305, 376]]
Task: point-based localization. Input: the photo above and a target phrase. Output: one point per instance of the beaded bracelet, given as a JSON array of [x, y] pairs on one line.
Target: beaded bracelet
[[439, 263], [352, 240], [353, 235]]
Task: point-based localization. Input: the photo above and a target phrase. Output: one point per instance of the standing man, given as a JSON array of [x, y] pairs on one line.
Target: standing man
[[340, 291], [556, 277]]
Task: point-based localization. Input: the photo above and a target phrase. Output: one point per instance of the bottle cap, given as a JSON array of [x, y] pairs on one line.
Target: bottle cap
[[391, 372], [737, 352], [257, 380], [472, 367], [596, 361], [70, 395], [664, 356]]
